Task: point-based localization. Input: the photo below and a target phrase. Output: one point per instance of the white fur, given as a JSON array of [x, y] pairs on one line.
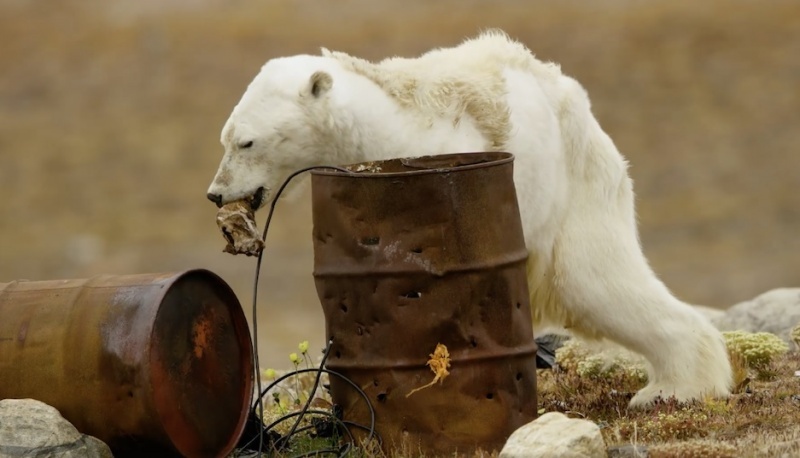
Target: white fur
[[586, 269]]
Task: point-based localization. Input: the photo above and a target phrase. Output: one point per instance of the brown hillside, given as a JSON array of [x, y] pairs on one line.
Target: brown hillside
[[110, 115]]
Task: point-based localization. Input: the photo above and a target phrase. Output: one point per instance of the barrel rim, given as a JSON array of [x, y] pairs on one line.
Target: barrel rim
[[240, 324], [502, 158]]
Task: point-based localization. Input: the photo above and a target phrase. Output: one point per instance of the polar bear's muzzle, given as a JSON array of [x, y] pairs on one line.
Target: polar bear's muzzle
[[254, 200]]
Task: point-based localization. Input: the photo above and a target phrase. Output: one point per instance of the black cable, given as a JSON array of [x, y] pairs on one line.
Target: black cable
[[258, 274], [331, 451], [308, 401], [310, 411], [370, 428]]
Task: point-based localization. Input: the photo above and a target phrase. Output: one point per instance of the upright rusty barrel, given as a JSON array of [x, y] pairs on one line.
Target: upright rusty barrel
[[151, 364], [410, 253]]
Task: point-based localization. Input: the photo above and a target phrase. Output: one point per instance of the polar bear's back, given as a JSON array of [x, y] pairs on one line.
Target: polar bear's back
[[488, 52], [449, 83]]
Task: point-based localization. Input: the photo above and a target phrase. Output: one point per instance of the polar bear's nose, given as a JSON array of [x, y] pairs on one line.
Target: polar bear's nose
[[216, 198]]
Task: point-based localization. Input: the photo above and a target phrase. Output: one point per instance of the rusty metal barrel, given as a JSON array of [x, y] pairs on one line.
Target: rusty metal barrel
[[151, 364], [411, 253]]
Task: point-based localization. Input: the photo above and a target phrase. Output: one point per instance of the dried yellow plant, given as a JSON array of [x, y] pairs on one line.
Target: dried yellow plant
[[439, 362]]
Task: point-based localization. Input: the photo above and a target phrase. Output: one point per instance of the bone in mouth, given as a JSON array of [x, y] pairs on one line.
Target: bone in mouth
[[237, 222]]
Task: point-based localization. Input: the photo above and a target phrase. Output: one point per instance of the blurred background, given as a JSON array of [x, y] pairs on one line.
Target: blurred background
[[110, 113]]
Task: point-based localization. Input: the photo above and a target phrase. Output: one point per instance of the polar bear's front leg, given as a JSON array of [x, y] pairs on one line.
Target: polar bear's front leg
[[607, 290]]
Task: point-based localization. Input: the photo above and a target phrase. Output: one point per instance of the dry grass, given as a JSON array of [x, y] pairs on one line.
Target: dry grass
[[760, 420], [110, 113]]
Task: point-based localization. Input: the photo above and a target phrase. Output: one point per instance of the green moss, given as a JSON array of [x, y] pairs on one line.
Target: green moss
[[576, 356], [758, 349]]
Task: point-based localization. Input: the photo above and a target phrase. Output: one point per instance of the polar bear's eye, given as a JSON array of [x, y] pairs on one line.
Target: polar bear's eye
[[246, 145]]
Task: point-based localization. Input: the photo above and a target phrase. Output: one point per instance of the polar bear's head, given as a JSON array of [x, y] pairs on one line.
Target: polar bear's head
[[281, 124]]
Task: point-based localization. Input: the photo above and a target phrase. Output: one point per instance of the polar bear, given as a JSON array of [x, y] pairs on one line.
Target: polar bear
[[586, 269]]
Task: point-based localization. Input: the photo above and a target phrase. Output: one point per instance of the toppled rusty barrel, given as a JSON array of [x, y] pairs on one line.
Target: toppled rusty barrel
[[151, 364], [410, 253]]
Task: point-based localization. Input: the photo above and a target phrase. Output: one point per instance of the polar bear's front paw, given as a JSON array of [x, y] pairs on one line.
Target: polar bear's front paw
[[650, 393]]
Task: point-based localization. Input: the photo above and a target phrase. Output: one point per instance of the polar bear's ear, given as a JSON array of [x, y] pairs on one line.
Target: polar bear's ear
[[320, 83]]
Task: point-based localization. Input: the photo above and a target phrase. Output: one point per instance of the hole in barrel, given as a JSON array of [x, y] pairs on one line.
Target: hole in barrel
[[381, 397], [343, 306], [412, 295], [370, 241], [416, 250], [519, 376], [473, 341], [519, 305], [489, 395], [338, 354]]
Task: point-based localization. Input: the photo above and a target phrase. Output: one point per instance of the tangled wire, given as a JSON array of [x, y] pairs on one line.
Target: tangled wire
[[258, 437]]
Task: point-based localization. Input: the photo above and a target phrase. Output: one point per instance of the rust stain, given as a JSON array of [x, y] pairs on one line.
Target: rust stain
[[201, 337], [410, 253]]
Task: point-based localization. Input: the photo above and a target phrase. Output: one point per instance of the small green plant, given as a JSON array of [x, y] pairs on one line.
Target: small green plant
[[675, 424], [282, 400], [569, 355], [758, 349], [741, 376], [795, 336], [317, 432], [268, 374], [576, 356]]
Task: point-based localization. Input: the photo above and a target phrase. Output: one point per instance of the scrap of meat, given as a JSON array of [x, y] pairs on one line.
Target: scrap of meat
[[237, 222]]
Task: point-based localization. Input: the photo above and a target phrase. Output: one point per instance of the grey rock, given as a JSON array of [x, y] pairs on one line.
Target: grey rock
[[776, 311], [556, 435], [33, 429]]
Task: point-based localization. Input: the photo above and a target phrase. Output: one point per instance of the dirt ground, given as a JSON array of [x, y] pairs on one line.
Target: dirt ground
[[110, 113]]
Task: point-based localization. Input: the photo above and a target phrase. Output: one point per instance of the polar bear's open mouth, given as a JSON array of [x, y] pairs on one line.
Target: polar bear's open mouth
[[256, 199]]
